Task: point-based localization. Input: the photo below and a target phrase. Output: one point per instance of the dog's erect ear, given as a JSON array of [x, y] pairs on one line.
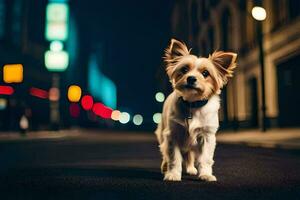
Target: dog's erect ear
[[174, 52], [175, 49], [225, 63]]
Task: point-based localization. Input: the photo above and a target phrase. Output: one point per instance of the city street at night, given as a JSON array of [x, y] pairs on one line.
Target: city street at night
[[89, 164], [98, 97]]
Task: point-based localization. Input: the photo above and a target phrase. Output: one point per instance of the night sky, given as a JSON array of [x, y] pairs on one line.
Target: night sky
[[133, 35]]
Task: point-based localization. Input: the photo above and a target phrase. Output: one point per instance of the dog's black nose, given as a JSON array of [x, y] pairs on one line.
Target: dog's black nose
[[191, 80]]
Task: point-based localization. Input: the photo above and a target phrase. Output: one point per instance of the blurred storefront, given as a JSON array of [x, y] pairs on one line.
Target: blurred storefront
[[21, 41], [209, 25]]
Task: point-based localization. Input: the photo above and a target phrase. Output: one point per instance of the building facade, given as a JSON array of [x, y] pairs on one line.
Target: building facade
[[208, 25]]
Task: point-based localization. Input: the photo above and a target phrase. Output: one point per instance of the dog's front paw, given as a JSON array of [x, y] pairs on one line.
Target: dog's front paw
[[171, 176], [191, 170], [208, 178]]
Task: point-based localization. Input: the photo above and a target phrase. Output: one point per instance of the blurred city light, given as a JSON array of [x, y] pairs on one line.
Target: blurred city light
[[259, 13], [124, 118], [54, 94], [101, 110], [87, 102], [6, 90], [115, 115], [157, 118], [56, 46], [56, 60], [13, 73], [100, 86], [74, 93], [40, 93], [57, 15], [3, 104], [137, 119], [74, 110], [160, 97]]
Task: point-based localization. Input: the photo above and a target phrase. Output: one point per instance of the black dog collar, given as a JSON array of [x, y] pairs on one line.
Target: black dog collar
[[194, 104]]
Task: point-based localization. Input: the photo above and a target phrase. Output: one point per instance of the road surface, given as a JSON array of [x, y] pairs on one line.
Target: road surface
[[111, 165]]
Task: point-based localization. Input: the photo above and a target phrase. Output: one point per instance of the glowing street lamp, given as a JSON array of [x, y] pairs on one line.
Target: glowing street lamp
[[259, 14]]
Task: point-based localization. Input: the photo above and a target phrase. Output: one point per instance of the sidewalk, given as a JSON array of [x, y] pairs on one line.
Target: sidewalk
[[274, 138], [37, 135]]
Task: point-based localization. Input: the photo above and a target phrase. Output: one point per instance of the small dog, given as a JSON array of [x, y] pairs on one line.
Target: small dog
[[190, 113]]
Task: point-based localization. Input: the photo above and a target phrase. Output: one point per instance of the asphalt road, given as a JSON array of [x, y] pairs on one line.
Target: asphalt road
[[109, 165]]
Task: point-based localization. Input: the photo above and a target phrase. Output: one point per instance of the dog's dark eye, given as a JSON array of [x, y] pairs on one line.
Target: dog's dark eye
[[205, 73], [184, 69]]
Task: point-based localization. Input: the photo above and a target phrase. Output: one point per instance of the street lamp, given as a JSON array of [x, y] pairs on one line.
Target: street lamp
[[259, 14]]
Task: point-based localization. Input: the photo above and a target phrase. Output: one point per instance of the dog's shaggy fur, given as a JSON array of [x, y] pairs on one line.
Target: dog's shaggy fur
[[187, 131]]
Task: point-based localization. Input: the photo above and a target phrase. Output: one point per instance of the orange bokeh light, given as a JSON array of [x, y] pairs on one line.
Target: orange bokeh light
[[13, 73]]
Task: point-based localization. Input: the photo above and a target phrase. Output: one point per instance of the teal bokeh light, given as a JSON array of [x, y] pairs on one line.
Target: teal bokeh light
[[100, 86]]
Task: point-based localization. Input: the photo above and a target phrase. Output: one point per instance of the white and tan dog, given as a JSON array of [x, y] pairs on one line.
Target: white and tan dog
[[190, 113]]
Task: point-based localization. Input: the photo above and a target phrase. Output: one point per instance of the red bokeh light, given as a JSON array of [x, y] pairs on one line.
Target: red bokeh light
[[6, 90], [43, 94], [101, 110], [74, 110], [87, 102]]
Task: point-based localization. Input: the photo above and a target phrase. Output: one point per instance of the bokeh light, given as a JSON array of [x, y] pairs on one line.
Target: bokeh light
[[54, 94], [87, 102], [13, 73], [74, 93], [124, 118], [115, 115], [6, 90], [259, 13], [160, 97], [3, 103], [39, 93], [137, 119], [74, 110], [56, 46], [157, 118], [102, 111], [56, 60]]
